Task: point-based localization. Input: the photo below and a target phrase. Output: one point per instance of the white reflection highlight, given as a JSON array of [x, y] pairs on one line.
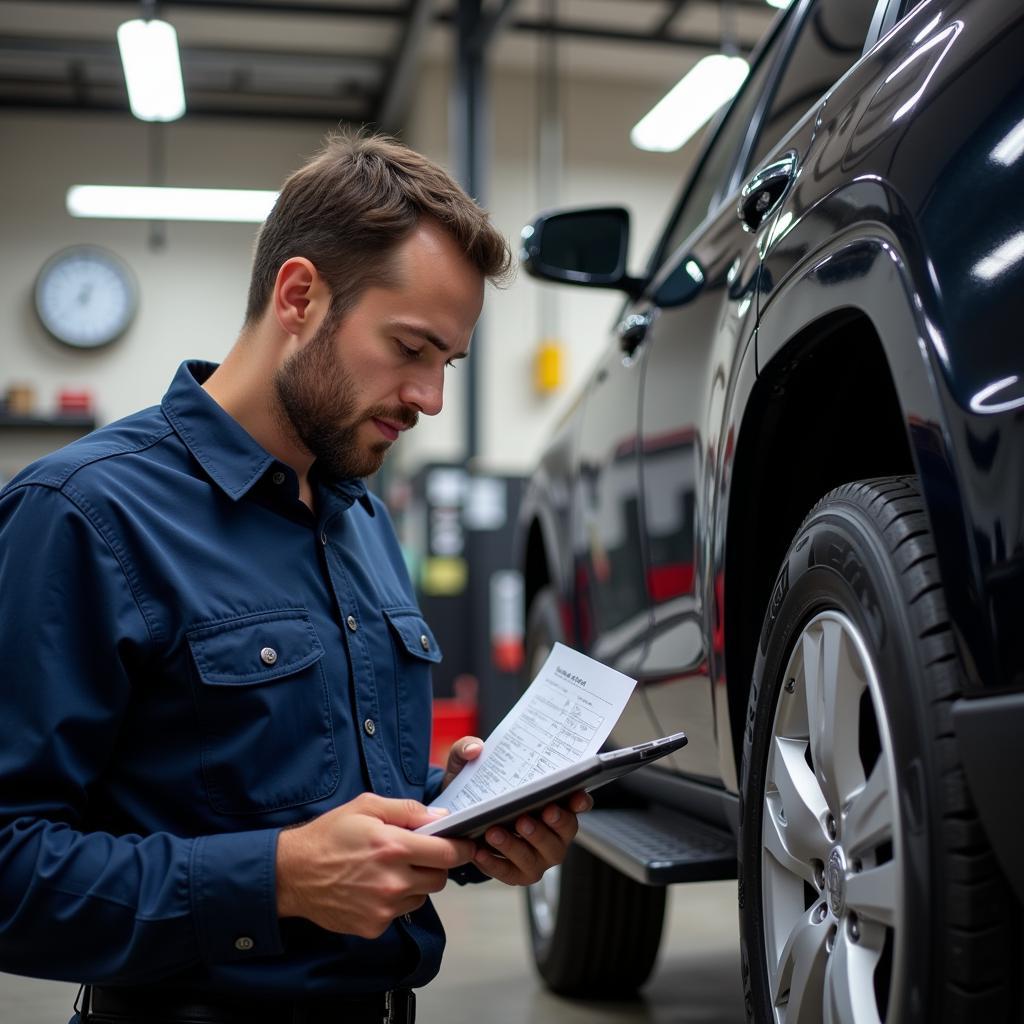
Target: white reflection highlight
[[980, 402], [1009, 150], [947, 36], [1001, 259], [938, 342], [782, 225], [927, 30]]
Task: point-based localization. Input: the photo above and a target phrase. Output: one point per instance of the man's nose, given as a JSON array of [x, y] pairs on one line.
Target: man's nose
[[425, 395]]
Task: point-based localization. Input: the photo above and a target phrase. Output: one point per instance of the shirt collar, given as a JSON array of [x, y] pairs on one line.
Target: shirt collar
[[231, 456]]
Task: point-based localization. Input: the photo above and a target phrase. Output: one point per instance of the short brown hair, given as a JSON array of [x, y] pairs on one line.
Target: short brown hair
[[351, 204]]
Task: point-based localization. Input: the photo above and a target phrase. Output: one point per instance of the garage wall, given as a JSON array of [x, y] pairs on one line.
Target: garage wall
[[193, 290]]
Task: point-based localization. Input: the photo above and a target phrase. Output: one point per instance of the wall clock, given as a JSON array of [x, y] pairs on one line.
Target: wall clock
[[86, 296]]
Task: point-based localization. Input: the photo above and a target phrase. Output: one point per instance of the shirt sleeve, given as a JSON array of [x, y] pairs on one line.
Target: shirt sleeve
[[76, 904]]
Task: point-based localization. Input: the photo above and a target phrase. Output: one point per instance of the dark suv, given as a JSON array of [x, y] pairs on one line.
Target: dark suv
[[790, 502]]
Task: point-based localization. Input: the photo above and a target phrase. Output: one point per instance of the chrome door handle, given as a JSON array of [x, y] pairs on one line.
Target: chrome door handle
[[633, 330], [764, 191]]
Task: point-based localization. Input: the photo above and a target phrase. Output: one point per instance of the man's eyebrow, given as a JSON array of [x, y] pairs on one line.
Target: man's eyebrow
[[439, 343]]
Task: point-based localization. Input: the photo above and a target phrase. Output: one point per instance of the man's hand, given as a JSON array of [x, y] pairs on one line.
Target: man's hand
[[539, 842], [356, 868]]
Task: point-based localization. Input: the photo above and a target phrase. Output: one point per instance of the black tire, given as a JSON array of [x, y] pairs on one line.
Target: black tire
[[862, 571], [594, 932]]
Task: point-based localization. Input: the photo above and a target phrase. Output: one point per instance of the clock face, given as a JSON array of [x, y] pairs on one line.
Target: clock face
[[86, 296]]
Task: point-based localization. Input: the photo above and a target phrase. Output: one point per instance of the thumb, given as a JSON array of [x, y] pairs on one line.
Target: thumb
[[467, 749], [403, 813]]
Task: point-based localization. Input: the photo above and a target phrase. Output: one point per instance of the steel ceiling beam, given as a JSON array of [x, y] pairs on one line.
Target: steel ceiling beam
[[670, 15], [395, 13], [581, 30]]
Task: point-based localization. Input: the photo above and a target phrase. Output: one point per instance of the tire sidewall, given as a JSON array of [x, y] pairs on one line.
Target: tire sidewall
[[839, 562]]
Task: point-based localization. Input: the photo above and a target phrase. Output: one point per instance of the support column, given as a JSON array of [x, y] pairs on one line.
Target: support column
[[468, 118]]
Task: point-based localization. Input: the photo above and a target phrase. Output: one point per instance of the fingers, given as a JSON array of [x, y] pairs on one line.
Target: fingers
[[521, 859], [580, 802], [403, 813], [434, 852]]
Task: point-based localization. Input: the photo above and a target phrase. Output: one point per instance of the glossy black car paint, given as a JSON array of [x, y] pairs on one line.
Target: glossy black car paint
[[870, 326]]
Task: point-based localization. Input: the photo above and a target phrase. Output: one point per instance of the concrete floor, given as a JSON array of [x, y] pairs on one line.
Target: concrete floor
[[487, 974]]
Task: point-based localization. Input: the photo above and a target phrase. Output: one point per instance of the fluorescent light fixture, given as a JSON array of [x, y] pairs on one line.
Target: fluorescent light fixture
[[152, 70], [685, 108], [781, 4], [130, 202]]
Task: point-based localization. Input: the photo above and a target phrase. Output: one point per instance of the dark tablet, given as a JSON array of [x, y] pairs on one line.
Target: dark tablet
[[587, 774]]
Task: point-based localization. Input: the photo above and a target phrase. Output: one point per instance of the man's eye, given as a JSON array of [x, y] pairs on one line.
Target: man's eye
[[409, 353], [451, 364]]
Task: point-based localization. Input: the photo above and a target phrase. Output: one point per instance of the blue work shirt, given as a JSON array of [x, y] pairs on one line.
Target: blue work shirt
[[191, 660]]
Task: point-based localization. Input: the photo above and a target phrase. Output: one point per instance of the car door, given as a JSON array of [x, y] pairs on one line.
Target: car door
[[700, 308], [693, 354], [610, 598]]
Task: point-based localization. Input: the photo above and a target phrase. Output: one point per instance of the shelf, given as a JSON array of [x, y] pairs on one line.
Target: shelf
[[73, 421]]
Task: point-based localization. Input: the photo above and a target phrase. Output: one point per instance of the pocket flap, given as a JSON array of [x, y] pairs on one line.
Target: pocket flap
[[414, 633], [255, 648]]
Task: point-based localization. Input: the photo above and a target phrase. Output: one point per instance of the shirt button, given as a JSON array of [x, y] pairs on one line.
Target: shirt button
[[243, 943], [352, 624], [268, 655], [323, 537], [278, 477], [407, 918], [425, 642], [370, 727]]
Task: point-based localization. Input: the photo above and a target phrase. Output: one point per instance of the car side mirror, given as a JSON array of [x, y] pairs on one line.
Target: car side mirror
[[585, 247]]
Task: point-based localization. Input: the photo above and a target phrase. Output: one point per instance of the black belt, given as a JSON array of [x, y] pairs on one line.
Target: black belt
[[142, 1006]]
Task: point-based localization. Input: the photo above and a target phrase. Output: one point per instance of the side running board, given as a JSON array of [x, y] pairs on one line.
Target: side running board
[[658, 846]]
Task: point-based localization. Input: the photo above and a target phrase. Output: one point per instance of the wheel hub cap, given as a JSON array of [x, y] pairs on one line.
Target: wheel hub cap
[[835, 882]]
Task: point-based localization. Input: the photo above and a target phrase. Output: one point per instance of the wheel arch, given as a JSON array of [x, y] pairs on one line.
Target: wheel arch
[[780, 468]]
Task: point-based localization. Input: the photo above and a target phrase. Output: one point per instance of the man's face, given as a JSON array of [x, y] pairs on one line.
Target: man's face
[[349, 392]]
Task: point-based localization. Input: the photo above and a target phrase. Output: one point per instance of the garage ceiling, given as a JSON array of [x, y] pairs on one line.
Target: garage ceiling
[[337, 60]]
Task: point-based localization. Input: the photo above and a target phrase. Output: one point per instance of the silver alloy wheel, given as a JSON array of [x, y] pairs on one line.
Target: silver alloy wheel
[[832, 884], [543, 897]]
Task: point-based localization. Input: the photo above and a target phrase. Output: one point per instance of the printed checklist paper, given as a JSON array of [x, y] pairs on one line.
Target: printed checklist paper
[[566, 715]]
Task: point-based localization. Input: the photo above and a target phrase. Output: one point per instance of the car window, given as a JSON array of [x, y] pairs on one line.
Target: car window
[[830, 42], [712, 175]]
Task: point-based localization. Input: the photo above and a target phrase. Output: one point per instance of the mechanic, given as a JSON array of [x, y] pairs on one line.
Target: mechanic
[[215, 696]]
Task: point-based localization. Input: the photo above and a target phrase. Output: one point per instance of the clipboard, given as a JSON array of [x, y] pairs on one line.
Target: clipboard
[[588, 774]]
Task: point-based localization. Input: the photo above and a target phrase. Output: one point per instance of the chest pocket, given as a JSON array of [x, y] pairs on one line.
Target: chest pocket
[[415, 650], [264, 712]]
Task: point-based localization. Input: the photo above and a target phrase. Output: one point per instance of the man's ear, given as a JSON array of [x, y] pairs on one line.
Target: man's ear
[[300, 298]]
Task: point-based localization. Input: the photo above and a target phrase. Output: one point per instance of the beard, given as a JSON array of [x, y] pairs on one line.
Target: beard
[[317, 406]]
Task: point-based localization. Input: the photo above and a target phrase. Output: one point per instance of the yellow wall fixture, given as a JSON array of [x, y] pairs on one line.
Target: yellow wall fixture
[[548, 366]]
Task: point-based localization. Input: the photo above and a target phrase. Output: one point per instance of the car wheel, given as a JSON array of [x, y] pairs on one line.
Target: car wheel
[[867, 892], [594, 932]]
